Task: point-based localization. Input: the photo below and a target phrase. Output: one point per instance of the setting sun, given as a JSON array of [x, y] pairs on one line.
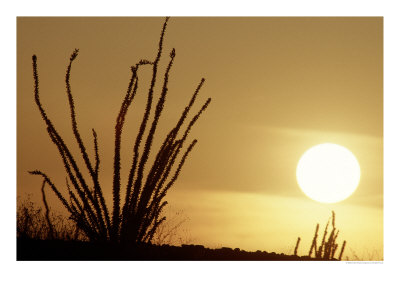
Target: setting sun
[[328, 173]]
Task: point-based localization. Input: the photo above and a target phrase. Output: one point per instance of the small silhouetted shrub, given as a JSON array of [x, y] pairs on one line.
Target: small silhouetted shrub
[[33, 223], [328, 246]]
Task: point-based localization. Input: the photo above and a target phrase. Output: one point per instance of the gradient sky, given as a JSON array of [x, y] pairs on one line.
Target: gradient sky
[[278, 86]]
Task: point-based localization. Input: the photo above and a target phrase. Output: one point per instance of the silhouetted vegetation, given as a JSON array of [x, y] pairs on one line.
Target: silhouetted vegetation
[[33, 223], [297, 245], [135, 216], [67, 242], [328, 246], [135, 227], [171, 231]]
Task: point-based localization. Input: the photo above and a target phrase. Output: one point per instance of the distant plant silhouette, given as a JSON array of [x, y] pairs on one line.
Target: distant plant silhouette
[[33, 223], [297, 245], [136, 219], [172, 231], [328, 246]]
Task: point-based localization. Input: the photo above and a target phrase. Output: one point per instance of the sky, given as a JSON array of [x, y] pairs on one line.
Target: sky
[[278, 86]]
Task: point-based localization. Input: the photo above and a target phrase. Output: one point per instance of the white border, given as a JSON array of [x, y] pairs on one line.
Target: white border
[[200, 280]]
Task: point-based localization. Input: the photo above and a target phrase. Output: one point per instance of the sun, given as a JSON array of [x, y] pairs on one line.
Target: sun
[[328, 173]]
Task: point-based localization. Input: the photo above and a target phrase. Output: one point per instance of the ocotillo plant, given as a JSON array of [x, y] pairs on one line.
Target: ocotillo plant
[[328, 247], [135, 217]]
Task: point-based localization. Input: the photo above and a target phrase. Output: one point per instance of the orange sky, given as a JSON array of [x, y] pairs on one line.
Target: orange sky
[[279, 86]]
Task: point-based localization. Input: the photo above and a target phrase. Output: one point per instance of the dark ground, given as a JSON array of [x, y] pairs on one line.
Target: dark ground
[[54, 250]]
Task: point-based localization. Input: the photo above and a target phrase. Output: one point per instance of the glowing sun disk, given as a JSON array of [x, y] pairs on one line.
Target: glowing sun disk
[[328, 173]]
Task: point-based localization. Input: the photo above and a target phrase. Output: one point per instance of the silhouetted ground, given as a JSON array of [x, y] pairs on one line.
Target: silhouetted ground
[[29, 249]]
